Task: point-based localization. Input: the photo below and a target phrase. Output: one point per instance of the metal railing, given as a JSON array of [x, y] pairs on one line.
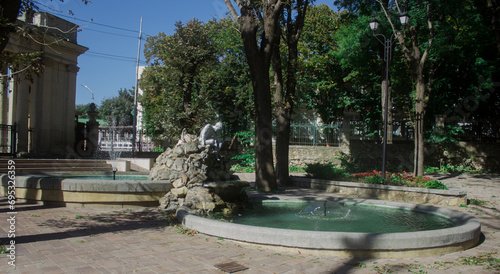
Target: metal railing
[[8, 140], [316, 134]]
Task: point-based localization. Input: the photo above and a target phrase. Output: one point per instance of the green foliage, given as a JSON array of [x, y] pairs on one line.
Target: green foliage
[[3, 249], [435, 184], [117, 111], [159, 149], [245, 161], [172, 100], [325, 171], [444, 135], [296, 169], [486, 260], [477, 202], [29, 62], [331, 172], [397, 179], [320, 76], [449, 168], [348, 163], [82, 110], [198, 76], [375, 180]]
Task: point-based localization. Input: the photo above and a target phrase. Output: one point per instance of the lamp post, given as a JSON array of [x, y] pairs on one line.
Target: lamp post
[[387, 42], [90, 92]]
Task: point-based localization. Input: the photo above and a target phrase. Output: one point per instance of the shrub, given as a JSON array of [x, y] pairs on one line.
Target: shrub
[[325, 171], [397, 179], [245, 160]]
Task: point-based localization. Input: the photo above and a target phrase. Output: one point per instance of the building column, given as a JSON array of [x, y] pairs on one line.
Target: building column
[[71, 72], [92, 131], [34, 110], [44, 106], [22, 92], [4, 109]]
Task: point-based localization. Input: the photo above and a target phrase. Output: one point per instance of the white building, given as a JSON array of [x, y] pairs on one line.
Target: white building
[[43, 108]]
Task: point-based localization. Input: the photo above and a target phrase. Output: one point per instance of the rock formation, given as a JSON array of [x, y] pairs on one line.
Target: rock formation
[[201, 178]]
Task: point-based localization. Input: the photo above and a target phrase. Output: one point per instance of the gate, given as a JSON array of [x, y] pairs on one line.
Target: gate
[[8, 140]]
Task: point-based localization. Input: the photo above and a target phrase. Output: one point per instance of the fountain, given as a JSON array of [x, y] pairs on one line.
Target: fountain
[[454, 231], [199, 169], [339, 217]]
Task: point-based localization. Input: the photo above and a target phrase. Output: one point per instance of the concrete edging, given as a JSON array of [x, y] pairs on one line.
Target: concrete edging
[[62, 191], [464, 235]]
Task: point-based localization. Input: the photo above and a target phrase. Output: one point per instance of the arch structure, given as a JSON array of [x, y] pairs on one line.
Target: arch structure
[[42, 106]]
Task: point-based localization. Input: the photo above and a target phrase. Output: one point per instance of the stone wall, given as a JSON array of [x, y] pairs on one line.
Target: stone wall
[[368, 155], [302, 155]]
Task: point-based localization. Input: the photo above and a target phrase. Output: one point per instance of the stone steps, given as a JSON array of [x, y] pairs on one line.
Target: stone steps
[[55, 165]]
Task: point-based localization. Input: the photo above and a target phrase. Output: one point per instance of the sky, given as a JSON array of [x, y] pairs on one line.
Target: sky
[[110, 31]]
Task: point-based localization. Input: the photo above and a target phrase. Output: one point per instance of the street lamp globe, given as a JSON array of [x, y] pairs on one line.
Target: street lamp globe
[[404, 18], [374, 23]]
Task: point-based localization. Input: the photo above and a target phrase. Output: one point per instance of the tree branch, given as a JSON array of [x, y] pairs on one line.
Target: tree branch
[[432, 31], [232, 10], [387, 15]]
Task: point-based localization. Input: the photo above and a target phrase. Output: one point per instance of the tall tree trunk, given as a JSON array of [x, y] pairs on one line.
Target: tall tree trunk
[[264, 164], [282, 120], [419, 126], [389, 105], [259, 54], [416, 59], [284, 98]]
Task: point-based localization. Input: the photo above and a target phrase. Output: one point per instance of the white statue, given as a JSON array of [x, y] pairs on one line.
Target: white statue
[[208, 135]]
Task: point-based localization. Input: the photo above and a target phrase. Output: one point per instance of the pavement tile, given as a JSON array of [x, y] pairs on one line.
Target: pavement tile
[[121, 241]]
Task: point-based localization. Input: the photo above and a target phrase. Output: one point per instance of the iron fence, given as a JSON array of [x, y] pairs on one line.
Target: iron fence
[[8, 140], [310, 134], [120, 139], [484, 132], [307, 134]]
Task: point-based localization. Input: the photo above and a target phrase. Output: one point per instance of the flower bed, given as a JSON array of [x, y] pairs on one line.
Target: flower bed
[[330, 172]]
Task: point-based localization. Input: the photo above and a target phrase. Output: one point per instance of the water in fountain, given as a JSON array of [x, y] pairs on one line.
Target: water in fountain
[[325, 209], [339, 217]]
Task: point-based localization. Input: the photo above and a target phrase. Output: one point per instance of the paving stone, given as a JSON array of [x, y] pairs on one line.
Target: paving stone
[[121, 241]]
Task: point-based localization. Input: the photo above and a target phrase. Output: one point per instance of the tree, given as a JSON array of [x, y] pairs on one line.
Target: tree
[[226, 83], [440, 58], [417, 52], [220, 84], [117, 111], [285, 81], [258, 22], [171, 84], [83, 109], [321, 76]]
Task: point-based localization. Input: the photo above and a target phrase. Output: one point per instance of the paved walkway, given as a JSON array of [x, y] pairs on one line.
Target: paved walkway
[[84, 240]]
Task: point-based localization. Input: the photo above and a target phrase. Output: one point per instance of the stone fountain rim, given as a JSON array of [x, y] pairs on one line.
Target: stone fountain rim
[[465, 234]]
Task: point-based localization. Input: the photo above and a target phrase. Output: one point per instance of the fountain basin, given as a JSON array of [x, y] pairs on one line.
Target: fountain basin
[[81, 192], [465, 234], [228, 189]]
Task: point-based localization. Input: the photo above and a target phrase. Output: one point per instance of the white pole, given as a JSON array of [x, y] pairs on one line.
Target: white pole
[[90, 92], [134, 128]]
